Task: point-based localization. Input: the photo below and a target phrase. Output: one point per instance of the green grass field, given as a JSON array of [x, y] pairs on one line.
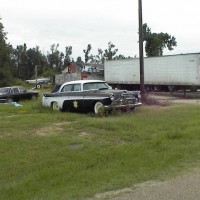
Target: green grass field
[[52, 155]]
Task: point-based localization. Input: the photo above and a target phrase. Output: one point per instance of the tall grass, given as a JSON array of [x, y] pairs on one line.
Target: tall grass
[[52, 155]]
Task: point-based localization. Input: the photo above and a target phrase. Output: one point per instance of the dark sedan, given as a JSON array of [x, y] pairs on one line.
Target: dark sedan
[[16, 93], [90, 95]]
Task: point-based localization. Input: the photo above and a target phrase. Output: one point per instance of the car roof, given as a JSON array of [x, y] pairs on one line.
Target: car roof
[[11, 86], [84, 81]]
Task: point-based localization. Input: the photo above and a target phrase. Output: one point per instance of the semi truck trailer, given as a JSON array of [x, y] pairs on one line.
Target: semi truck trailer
[[172, 72]]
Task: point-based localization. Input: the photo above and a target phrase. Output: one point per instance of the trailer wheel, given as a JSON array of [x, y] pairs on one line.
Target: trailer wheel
[[38, 86], [157, 88], [171, 88], [148, 88], [193, 89]]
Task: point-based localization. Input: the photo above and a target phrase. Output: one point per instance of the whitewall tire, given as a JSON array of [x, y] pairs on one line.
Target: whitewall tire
[[55, 106], [98, 107]]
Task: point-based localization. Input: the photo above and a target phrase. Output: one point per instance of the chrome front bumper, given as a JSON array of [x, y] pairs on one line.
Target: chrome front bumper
[[121, 106]]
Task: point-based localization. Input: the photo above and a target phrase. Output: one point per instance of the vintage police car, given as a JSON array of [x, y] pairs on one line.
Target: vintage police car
[[90, 96]]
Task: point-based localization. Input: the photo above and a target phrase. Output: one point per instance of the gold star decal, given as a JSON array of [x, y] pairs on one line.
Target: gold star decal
[[75, 103]]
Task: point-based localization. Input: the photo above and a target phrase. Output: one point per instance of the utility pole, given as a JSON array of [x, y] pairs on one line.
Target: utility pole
[[141, 56], [36, 74]]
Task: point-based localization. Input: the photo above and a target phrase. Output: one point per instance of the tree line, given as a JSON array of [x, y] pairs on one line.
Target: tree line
[[20, 62]]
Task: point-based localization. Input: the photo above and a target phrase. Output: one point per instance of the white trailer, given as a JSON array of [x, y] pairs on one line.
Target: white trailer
[[164, 72]]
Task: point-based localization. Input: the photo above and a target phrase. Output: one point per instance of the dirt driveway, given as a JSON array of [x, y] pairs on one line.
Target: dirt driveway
[[175, 99]]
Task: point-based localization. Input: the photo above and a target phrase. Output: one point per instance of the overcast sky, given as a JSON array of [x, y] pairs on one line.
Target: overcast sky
[[78, 23]]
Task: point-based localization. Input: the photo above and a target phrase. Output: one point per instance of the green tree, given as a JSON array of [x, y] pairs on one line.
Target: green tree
[[100, 57], [79, 62], [5, 61], [21, 61], [49, 72], [120, 57], [87, 53], [111, 52], [55, 58], [68, 53], [13, 60], [35, 57], [24, 61], [157, 42]]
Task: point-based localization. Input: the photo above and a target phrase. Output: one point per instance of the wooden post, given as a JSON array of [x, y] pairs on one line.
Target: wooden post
[[141, 56], [36, 75]]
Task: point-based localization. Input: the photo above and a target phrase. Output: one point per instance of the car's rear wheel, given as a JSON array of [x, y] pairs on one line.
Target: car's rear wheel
[[34, 97], [98, 107], [55, 106]]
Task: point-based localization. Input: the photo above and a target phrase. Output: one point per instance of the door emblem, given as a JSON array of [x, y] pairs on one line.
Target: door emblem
[[75, 103]]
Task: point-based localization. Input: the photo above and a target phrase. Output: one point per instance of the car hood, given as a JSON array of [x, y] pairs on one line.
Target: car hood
[[118, 93], [2, 94], [114, 91]]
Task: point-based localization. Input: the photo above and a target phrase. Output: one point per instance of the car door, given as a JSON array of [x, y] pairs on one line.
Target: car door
[[19, 94], [16, 94], [73, 97], [23, 93], [93, 95]]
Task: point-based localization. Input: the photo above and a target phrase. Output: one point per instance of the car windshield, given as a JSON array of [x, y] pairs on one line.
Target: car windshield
[[22, 89], [96, 86], [3, 90], [56, 89]]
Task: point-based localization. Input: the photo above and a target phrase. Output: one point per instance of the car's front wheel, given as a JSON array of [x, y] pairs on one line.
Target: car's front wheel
[[9, 100], [98, 107], [55, 106]]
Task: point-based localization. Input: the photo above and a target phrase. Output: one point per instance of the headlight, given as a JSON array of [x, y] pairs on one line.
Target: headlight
[[139, 95]]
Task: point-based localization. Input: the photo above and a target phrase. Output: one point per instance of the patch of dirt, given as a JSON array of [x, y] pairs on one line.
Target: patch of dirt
[[51, 129], [84, 133], [75, 146], [10, 116], [155, 107]]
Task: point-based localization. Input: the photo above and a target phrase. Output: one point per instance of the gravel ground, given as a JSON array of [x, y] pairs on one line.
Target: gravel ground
[[185, 187], [175, 99]]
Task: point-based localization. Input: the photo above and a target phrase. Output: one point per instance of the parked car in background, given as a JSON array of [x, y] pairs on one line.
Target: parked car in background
[[90, 96], [17, 93], [38, 82]]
